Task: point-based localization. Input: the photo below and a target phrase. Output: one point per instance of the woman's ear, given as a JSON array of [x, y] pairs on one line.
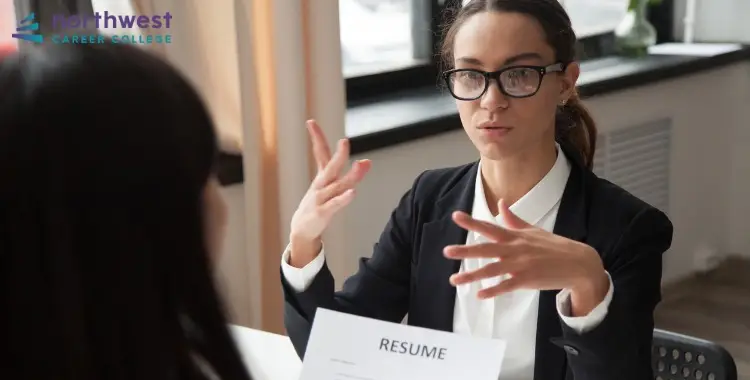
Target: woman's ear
[[569, 80]]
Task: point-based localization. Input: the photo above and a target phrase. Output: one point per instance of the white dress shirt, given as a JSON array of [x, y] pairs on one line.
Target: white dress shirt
[[511, 316]]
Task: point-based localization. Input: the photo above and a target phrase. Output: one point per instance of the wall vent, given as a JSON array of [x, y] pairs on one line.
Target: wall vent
[[637, 159]]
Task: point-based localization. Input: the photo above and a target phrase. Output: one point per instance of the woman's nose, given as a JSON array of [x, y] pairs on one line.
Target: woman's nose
[[494, 98]]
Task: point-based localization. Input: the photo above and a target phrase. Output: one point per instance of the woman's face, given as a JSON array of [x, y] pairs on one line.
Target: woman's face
[[215, 220], [491, 41]]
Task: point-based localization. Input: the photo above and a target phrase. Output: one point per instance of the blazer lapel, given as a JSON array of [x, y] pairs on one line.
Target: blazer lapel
[[570, 223], [435, 267]]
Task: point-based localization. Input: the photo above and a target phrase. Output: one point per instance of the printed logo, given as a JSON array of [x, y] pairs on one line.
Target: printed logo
[[91, 29], [76, 29], [28, 28]]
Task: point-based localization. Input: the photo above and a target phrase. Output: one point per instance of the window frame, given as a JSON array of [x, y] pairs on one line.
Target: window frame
[[369, 88]]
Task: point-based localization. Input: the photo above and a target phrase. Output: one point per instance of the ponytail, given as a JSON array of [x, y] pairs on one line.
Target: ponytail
[[575, 126]]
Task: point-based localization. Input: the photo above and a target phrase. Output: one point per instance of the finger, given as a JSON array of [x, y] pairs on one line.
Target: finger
[[482, 250], [348, 181], [331, 171], [488, 230], [511, 220], [488, 271], [321, 151], [336, 203], [505, 286]]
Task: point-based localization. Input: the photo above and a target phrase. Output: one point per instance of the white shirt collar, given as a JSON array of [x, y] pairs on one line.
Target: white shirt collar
[[536, 203]]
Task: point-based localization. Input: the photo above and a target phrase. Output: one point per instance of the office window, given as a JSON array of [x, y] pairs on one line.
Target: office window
[[389, 45], [381, 35], [592, 17]]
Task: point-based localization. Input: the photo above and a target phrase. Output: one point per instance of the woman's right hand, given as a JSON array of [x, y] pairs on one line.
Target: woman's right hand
[[328, 193]]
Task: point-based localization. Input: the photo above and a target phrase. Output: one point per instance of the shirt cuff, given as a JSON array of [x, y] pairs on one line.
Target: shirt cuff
[[301, 278], [587, 322]]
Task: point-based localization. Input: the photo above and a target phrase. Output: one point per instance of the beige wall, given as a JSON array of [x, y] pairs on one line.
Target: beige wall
[[738, 201], [710, 173]]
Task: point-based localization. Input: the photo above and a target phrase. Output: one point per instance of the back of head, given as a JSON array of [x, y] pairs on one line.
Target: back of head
[[104, 273], [574, 124]]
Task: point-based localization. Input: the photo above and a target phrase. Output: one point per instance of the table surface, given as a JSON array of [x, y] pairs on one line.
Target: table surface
[[268, 356]]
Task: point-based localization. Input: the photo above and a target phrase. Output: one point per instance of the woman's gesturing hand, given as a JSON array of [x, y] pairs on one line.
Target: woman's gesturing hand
[[534, 259], [329, 192]]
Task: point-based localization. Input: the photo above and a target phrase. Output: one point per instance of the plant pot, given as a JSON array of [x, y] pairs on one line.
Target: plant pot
[[635, 34]]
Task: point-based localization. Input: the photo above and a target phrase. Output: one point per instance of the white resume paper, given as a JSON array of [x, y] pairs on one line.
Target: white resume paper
[[348, 347]]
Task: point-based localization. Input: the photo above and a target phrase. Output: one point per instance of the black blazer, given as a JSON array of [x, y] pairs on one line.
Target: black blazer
[[409, 274]]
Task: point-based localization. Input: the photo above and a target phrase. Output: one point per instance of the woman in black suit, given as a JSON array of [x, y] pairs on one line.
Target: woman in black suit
[[526, 244]]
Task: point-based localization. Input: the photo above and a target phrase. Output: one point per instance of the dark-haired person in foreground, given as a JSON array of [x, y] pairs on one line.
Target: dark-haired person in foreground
[[109, 220], [526, 244]]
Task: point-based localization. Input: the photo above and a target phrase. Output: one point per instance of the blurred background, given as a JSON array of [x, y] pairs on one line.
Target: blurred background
[[673, 119], [377, 35]]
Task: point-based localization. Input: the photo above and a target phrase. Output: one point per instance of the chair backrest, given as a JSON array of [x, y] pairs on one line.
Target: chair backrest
[[676, 356]]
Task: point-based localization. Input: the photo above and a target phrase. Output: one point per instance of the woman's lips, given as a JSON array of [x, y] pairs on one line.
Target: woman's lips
[[494, 131]]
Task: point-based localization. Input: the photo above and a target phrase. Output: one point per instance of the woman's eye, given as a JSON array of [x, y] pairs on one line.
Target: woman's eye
[[471, 77]]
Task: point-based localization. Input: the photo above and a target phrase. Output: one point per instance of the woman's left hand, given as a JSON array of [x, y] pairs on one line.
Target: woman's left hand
[[534, 259]]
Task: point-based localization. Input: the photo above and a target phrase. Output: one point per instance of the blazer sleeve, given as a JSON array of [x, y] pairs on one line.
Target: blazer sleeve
[[379, 289], [620, 346]]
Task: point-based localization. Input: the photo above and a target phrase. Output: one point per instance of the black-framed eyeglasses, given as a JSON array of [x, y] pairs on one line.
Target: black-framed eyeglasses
[[515, 81]]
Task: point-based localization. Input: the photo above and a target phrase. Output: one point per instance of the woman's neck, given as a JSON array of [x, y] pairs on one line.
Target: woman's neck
[[511, 178]]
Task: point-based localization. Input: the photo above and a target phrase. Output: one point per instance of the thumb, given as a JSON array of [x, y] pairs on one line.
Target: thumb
[[511, 220]]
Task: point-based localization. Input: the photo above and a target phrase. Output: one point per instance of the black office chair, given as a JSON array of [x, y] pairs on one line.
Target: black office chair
[[676, 356]]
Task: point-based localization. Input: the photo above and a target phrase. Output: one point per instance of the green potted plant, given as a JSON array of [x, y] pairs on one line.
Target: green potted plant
[[635, 34]]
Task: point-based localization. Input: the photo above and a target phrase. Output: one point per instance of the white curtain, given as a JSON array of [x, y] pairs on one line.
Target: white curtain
[[263, 67], [8, 21]]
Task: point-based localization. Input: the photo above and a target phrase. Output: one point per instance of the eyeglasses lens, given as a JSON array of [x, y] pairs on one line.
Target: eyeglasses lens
[[470, 84]]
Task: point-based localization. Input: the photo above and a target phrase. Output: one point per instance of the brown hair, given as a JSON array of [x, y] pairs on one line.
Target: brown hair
[[574, 123]]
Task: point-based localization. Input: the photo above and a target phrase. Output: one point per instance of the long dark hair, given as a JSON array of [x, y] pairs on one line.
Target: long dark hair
[[105, 152], [574, 123]]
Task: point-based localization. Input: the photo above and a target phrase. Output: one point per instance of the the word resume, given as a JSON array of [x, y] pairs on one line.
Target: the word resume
[[349, 347]]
